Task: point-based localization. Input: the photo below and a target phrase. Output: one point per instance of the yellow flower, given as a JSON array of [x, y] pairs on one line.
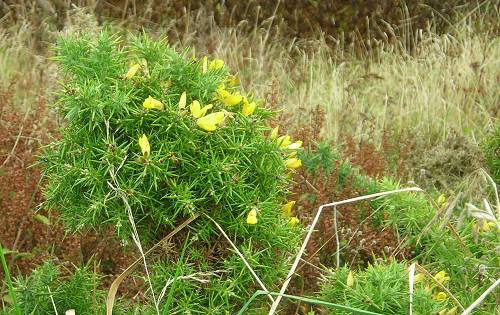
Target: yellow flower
[[252, 217], [441, 200], [293, 163], [182, 101], [440, 296], [210, 121], [287, 208], [229, 99], [274, 133], [248, 108], [284, 141], [296, 145], [216, 64], [441, 277], [485, 226], [419, 278], [197, 111], [132, 71], [350, 279], [294, 221], [204, 65], [144, 144], [151, 103]]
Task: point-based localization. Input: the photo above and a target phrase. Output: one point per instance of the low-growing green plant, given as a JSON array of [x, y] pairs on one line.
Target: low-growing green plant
[[382, 288], [152, 137], [50, 290]]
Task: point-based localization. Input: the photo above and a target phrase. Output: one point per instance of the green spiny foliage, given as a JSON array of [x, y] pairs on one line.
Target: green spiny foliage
[[381, 288], [118, 154], [77, 291]]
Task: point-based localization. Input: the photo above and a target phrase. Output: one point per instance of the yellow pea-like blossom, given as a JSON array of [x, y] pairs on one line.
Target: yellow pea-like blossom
[[284, 141], [296, 145], [252, 217], [151, 103], [441, 200], [293, 163], [350, 279], [287, 208], [440, 296], [182, 101], [485, 226], [274, 133], [204, 65], [293, 221], [145, 147], [229, 99], [210, 121], [132, 71], [441, 277], [216, 64], [248, 107], [197, 111]]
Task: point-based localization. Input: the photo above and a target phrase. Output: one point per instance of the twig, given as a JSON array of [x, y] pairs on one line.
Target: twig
[[274, 306], [242, 257]]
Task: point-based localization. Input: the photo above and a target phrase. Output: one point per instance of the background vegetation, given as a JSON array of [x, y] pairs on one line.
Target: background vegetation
[[384, 96]]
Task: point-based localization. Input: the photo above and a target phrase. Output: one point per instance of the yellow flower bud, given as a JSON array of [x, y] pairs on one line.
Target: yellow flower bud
[[284, 141], [252, 217], [440, 296], [210, 122], [182, 101], [216, 64], [293, 163], [293, 221], [145, 147], [151, 103], [204, 65], [441, 277], [248, 108], [287, 208], [274, 133], [350, 279], [132, 71], [197, 111]]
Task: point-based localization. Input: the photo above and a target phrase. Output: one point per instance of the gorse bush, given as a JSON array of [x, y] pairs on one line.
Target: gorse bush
[[152, 137], [381, 288]]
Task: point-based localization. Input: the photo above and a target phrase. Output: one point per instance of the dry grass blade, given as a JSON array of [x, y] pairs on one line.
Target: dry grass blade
[[242, 257], [481, 298], [110, 300], [411, 276], [311, 229]]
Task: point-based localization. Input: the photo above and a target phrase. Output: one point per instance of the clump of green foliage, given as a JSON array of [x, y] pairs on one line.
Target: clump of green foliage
[[48, 289], [491, 149], [380, 288], [146, 146]]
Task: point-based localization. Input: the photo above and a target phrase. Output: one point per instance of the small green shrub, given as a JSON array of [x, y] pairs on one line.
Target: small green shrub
[[382, 288], [167, 138], [77, 291]]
